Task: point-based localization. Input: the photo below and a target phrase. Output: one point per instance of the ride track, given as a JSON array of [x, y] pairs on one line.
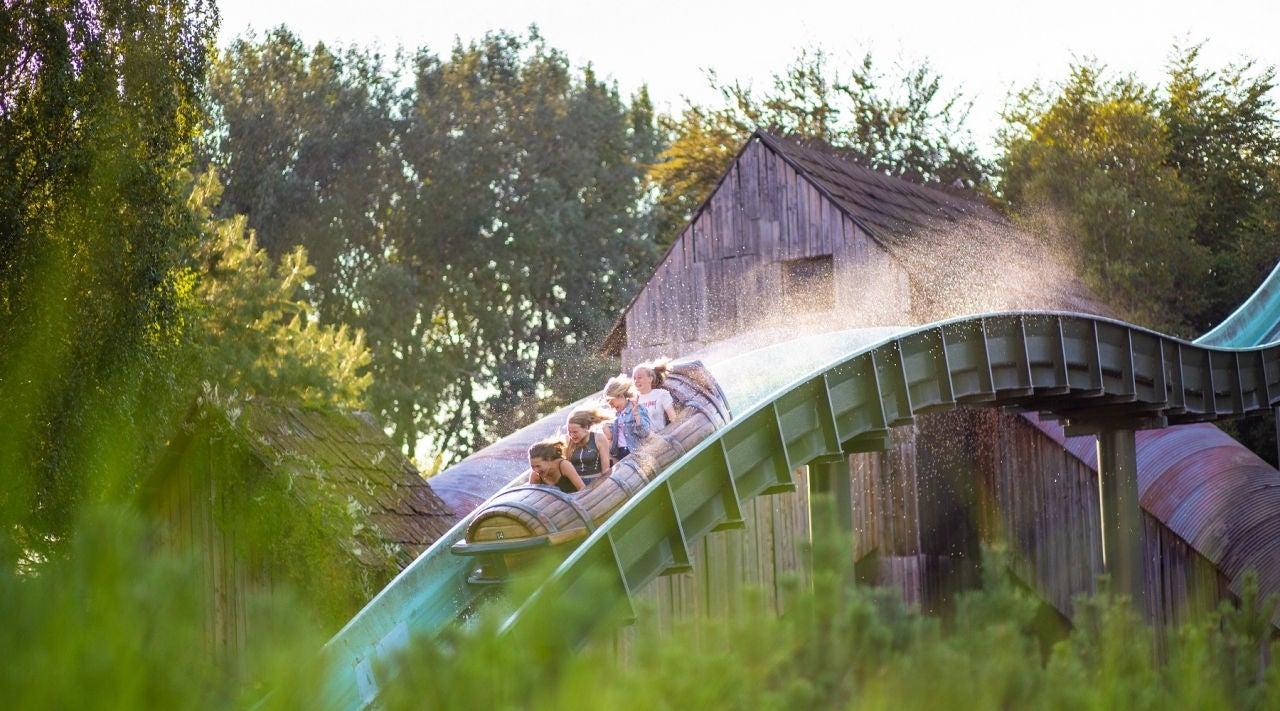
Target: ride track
[[1092, 372]]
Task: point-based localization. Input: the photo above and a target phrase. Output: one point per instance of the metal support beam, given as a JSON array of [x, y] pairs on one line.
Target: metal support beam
[[1121, 515]]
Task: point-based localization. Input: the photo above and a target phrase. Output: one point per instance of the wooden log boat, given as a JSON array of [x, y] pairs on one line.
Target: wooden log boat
[[525, 518]]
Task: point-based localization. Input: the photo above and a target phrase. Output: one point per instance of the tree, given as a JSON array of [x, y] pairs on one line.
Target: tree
[[1168, 197], [1094, 157], [480, 229], [100, 105], [303, 141], [916, 132], [522, 236], [253, 328], [1224, 142]]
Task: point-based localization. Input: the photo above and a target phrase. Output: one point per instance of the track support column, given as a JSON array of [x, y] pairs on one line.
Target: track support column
[[831, 475], [1121, 515]]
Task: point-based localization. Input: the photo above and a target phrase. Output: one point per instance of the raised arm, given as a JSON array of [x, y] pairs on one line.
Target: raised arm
[[644, 425]]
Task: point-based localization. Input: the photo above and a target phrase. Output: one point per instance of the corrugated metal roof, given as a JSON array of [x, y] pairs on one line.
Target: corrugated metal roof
[[1209, 490]]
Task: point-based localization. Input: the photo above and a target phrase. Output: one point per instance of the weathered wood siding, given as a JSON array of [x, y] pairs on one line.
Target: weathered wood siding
[[951, 482], [921, 514], [723, 275], [191, 506]]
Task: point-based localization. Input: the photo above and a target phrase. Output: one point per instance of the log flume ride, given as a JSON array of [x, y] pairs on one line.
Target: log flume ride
[[520, 520], [1069, 364]]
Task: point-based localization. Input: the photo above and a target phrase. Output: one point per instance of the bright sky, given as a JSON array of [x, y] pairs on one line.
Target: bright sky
[[982, 48]]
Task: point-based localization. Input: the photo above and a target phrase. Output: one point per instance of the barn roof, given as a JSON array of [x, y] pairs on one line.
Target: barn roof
[[331, 454], [943, 239], [887, 208], [348, 450]]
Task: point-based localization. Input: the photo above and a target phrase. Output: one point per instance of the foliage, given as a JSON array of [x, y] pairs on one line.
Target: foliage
[[120, 623], [1224, 137], [303, 141], [527, 180], [481, 228], [842, 646], [253, 326], [1168, 198], [100, 103], [903, 126]]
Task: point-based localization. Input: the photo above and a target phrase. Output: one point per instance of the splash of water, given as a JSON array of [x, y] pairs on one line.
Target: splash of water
[[751, 377]]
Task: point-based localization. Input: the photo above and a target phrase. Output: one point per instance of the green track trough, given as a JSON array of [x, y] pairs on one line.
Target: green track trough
[[1089, 371]]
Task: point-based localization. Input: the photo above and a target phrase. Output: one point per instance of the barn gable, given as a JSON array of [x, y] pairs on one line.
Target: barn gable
[[794, 235]]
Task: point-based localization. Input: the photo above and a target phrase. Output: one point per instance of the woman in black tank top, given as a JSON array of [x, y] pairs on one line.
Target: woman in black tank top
[[548, 467], [587, 450]]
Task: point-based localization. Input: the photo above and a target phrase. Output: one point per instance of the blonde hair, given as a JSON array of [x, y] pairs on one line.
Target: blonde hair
[[620, 386], [585, 417], [657, 370]]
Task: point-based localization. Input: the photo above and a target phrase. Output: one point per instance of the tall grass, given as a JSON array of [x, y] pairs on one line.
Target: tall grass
[[118, 623], [842, 646]]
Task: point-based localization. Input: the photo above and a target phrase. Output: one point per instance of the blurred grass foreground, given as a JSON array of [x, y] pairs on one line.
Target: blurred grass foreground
[[119, 622]]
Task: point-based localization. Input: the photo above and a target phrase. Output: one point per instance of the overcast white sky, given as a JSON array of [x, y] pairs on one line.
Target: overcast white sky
[[980, 47]]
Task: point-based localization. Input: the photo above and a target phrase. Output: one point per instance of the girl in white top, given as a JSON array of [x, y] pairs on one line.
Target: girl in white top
[[648, 377]]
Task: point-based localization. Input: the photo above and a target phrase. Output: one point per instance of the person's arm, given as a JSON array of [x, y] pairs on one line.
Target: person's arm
[[602, 446], [668, 406], [567, 469], [534, 478], [643, 424]]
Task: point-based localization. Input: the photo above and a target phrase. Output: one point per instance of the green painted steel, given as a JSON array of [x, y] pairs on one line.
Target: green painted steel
[[1255, 323], [1092, 372]]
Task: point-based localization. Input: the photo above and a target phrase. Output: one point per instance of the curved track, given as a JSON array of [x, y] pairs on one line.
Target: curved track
[[1255, 323], [1086, 370]]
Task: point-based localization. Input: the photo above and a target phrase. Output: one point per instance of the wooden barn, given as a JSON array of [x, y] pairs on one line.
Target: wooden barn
[[270, 492], [794, 240]]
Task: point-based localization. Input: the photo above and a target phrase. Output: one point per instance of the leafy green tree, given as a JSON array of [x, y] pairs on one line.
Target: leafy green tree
[[905, 126], [481, 228], [100, 105], [522, 237], [1166, 196], [1224, 141], [1093, 156], [303, 141], [254, 329]]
